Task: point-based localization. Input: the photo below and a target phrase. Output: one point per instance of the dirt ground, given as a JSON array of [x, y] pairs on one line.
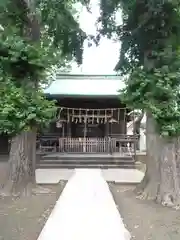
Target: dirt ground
[[146, 220], [23, 219]]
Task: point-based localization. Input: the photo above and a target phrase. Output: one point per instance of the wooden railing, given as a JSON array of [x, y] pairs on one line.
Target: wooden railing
[[123, 144], [47, 143], [81, 145]]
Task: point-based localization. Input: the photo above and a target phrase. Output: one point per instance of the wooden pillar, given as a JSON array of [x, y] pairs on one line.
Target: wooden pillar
[[107, 129], [69, 129], [85, 133], [123, 127], [63, 129], [107, 137], [123, 122]]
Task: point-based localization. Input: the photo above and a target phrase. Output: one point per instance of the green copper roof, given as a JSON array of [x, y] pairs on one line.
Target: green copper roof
[[87, 85]]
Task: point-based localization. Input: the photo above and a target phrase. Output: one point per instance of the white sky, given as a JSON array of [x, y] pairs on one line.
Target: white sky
[[101, 59]]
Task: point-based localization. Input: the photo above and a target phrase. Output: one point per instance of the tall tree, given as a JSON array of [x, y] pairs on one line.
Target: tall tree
[[34, 36], [150, 57]]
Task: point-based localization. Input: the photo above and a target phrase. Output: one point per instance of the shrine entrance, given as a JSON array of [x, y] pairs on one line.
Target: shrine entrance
[[81, 123], [91, 129], [89, 136]]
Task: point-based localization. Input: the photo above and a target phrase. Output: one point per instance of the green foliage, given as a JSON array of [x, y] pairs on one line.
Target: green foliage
[[158, 92], [61, 26], [20, 110], [21, 59], [150, 55], [53, 19], [34, 38], [23, 66]]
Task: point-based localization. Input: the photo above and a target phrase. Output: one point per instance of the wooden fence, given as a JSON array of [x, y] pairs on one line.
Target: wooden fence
[[87, 145], [115, 144]]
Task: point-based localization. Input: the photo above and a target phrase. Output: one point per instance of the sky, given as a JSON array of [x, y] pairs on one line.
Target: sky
[[101, 59]]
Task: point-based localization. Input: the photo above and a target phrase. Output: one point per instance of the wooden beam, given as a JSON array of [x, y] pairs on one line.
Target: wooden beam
[[91, 116]]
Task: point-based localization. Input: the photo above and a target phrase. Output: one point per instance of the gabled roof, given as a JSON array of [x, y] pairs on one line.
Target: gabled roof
[[85, 85]]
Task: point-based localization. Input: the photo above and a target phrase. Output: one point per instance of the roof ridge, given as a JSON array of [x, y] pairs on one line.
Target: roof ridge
[[84, 85]]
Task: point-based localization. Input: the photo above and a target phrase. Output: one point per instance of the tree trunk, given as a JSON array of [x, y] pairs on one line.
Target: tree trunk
[[21, 163], [161, 182], [137, 127], [23, 146]]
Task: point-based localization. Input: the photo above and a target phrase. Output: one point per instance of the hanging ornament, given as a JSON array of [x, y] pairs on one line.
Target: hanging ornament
[[68, 117], [105, 117], [118, 115], [80, 116], [58, 124], [86, 114], [92, 116], [98, 115], [73, 115], [59, 113], [125, 115]]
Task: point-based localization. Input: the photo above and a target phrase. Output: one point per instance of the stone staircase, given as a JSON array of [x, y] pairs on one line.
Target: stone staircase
[[85, 161]]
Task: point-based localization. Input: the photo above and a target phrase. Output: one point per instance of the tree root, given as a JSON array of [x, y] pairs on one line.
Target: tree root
[[7, 190], [176, 207], [141, 186], [168, 200], [177, 203], [148, 193], [145, 195], [40, 190], [22, 190], [4, 194]]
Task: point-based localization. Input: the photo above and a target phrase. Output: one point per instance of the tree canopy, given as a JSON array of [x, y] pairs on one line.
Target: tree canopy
[[34, 36], [149, 56]]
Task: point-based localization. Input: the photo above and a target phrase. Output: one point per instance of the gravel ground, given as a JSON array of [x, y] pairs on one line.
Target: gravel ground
[[23, 219], [146, 220]]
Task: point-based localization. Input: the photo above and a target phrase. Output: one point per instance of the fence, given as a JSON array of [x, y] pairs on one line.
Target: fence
[[123, 144], [81, 145]]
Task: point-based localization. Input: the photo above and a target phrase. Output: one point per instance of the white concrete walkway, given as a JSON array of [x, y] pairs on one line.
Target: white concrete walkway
[[54, 176], [85, 211]]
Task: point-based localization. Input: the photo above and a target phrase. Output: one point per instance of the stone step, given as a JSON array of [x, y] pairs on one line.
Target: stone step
[[88, 160], [84, 165]]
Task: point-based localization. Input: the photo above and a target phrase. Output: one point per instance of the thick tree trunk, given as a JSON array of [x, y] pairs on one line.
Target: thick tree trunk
[[21, 163], [161, 182]]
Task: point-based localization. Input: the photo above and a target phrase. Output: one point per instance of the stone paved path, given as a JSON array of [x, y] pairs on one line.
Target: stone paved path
[[85, 210]]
